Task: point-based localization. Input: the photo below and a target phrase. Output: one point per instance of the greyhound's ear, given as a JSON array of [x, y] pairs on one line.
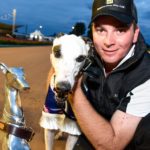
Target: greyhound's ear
[[88, 42], [85, 39], [60, 34]]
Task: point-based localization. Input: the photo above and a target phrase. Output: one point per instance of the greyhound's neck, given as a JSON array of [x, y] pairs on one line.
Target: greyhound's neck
[[12, 112], [52, 81]]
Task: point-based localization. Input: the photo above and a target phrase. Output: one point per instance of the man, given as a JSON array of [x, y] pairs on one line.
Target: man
[[113, 110]]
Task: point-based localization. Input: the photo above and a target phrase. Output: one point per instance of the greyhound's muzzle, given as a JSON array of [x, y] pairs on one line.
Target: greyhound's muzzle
[[62, 90]]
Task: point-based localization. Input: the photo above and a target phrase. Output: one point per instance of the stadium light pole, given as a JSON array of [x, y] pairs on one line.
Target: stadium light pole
[[14, 20]]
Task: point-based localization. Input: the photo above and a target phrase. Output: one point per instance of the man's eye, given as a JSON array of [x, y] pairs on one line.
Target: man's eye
[[99, 29], [122, 30], [80, 58]]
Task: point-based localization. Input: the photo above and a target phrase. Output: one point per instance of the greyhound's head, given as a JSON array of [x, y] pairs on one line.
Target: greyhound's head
[[15, 77], [67, 58]]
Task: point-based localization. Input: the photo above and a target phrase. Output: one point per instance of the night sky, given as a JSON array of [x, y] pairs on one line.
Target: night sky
[[51, 16]]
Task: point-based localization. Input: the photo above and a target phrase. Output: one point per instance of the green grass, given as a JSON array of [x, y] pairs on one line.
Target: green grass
[[12, 41]]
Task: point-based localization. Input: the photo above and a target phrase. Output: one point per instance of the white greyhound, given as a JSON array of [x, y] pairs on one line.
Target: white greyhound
[[67, 58]]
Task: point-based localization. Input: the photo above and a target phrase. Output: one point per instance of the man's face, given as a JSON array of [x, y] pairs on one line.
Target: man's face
[[113, 39]]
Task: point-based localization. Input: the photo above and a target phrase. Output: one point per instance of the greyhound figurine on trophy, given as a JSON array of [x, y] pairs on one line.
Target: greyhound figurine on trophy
[[14, 133]]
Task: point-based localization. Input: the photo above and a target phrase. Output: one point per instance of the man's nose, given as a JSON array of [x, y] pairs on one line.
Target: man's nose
[[109, 39]]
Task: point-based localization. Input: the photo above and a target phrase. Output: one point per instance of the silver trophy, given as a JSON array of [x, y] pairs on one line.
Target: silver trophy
[[15, 134]]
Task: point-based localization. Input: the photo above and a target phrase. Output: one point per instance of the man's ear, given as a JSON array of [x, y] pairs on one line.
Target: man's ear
[[136, 34]]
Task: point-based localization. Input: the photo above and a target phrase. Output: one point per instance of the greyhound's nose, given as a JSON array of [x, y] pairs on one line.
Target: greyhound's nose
[[64, 87]]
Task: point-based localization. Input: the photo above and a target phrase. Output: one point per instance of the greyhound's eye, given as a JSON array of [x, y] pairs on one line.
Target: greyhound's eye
[[80, 58], [57, 53]]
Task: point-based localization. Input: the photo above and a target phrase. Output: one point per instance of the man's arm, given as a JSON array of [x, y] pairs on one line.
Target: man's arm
[[103, 135]]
